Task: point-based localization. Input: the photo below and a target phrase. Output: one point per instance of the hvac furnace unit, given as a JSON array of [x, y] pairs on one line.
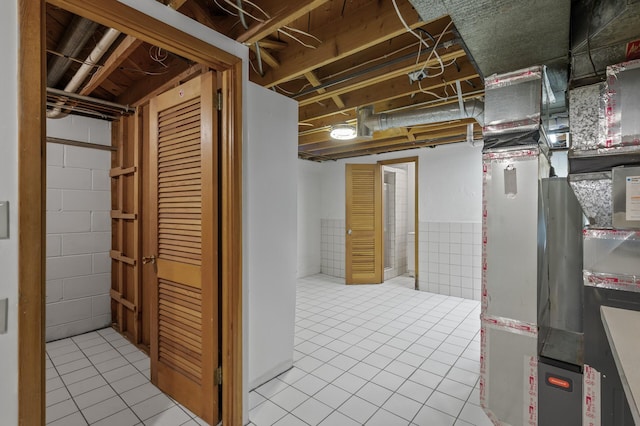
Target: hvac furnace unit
[[605, 175], [531, 337], [561, 289]]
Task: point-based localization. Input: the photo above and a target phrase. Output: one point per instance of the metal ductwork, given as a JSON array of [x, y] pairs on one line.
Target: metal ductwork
[[83, 72], [72, 43], [368, 122]]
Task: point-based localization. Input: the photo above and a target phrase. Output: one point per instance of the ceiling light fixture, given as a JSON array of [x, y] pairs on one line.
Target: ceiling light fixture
[[343, 132]]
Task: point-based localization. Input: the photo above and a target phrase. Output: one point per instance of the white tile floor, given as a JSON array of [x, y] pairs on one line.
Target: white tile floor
[[375, 355], [99, 378]]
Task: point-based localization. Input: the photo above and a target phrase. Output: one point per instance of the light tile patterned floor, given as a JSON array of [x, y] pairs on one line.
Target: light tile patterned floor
[[376, 355], [99, 378]]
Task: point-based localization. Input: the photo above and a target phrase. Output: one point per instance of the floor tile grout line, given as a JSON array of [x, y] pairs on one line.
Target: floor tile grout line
[[67, 389]]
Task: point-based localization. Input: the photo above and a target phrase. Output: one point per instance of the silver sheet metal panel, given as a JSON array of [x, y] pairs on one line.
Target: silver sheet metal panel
[[564, 236], [614, 252], [513, 102], [508, 383], [511, 194], [622, 104]]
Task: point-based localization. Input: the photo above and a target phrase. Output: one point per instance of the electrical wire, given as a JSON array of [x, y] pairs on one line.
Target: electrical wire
[[395, 6], [159, 55], [281, 31], [225, 9], [79, 61], [303, 33], [433, 51]]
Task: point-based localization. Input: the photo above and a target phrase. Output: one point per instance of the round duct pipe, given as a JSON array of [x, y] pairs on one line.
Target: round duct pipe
[[471, 109]]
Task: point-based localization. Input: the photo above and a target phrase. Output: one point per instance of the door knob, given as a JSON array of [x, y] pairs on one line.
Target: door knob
[[148, 259], [349, 232]]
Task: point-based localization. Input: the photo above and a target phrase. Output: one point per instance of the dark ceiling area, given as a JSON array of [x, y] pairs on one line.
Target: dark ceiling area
[[394, 59]]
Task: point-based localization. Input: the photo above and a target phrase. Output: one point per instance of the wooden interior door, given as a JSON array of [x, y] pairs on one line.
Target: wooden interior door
[[184, 300], [364, 224]]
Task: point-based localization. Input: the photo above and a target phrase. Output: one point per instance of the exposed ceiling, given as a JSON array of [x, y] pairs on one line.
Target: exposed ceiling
[[334, 56]]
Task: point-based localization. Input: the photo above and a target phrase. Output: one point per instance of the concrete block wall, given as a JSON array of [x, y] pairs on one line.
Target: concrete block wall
[[78, 268]]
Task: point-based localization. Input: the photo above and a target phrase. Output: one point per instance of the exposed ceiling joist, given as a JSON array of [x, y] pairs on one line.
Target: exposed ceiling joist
[[288, 13], [394, 88], [373, 24], [119, 55], [313, 80]]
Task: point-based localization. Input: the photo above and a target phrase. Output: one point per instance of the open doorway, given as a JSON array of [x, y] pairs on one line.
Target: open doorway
[[114, 14], [400, 218]]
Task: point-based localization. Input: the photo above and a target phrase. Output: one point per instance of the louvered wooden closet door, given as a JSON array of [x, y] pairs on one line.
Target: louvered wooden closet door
[[184, 317], [363, 224]]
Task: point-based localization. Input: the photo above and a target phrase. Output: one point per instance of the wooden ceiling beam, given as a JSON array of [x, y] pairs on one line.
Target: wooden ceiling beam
[[273, 44], [372, 24], [288, 13], [394, 88], [394, 148], [146, 88], [128, 45], [333, 147], [379, 76], [267, 57], [113, 62], [311, 77]]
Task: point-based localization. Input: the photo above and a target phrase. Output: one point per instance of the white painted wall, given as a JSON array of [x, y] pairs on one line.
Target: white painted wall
[[9, 192], [449, 179], [78, 275], [309, 215], [271, 204]]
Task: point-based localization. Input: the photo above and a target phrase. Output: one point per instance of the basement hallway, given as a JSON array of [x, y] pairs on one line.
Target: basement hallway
[[364, 354]]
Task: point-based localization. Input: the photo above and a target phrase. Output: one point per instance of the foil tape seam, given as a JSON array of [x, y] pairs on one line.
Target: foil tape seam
[[496, 81], [611, 234], [511, 325]]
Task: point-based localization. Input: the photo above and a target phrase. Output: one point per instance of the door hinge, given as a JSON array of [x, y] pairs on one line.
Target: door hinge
[[217, 378], [219, 101]]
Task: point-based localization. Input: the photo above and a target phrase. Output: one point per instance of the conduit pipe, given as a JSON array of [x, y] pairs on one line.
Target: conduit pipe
[[96, 54], [471, 109], [72, 43]]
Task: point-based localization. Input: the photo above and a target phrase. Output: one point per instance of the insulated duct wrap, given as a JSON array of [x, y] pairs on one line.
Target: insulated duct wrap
[[593, 191], [587, 126]]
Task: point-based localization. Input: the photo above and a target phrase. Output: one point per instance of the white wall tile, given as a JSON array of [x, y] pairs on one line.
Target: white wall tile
[[63, 222], [101, 221], [68, 266], [78, 200], [68, 178], [54, 291], [54, 245], [101, 263], [101, 180], [54, 200], [68, 311], [88, 158], [55, 154], [85, 243], [85, 286]]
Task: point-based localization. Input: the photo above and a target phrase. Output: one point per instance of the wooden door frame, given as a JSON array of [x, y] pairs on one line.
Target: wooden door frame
[[32, 190], [417, 221]]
